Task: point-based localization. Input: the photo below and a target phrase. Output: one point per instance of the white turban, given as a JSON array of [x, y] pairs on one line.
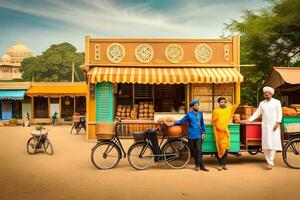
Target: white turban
[[268, 89]]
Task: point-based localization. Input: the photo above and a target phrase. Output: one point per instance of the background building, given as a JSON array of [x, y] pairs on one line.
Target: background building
[[10, 62]]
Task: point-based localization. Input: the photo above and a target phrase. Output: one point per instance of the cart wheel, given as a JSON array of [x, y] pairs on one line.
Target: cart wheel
[[253, 152], [291, 153]]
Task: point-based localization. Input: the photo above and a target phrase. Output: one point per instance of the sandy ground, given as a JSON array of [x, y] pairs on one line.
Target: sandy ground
[[69, 174]]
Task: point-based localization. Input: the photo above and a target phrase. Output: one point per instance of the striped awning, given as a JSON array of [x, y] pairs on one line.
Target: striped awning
[[166, 75], [12, 94]]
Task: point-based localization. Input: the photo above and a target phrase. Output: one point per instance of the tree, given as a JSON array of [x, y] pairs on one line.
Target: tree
[[55, 64], [269, 37]]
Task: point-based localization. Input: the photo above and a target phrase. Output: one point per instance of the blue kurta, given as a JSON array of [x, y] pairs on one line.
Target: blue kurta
[[193, 124]]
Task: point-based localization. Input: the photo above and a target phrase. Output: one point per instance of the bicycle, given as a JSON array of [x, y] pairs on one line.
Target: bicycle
[[79, 123], [107, 153], [39, 141], [175, 151]]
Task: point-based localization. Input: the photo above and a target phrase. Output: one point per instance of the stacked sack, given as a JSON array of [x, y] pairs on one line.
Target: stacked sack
[[146, 110], [125, 112]]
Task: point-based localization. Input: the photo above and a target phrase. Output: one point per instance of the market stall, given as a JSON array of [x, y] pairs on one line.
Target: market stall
[[141, 80], [286, 82], [13, 102], [63, 98]]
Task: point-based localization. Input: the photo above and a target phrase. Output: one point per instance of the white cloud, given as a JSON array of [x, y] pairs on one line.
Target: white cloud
[[104, 18]]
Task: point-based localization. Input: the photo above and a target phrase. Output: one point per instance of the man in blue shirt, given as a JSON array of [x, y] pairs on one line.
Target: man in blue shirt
[[196, 133]]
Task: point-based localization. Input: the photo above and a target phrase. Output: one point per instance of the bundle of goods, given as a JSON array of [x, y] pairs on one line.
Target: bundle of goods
[[286, 111], [245, 111], [76, 117], [146, 110], [236, 118], [167, 120], [297, 108]]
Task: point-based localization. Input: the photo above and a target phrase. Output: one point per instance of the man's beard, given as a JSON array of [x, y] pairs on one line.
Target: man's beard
[[195, 109], [222, 106]]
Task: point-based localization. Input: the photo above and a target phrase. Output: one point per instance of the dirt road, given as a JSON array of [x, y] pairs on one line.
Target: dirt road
[[69, 174]]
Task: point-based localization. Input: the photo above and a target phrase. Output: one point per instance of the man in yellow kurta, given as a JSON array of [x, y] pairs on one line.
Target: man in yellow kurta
[[220, 120]]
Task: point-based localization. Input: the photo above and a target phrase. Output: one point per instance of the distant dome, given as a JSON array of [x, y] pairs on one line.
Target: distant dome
[[19, 51], [6, 58]]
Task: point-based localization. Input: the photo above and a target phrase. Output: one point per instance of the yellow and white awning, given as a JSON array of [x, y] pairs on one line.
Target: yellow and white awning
[[164, 75]]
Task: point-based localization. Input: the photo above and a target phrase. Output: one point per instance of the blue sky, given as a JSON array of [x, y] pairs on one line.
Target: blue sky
[[40, 23]]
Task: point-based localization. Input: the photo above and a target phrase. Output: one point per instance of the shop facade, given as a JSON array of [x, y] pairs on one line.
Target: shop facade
[[13, 100], [286, 82], [65, 99], [141, 80]]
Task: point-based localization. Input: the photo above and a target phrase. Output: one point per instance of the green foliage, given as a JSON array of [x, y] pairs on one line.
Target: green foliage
[[40, 128], [269, 38], [13, 121], [55, 64]]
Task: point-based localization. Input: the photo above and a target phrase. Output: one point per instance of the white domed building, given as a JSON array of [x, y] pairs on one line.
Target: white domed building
[[10, 63]]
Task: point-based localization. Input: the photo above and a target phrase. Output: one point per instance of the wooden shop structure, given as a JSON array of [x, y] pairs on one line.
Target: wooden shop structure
[[141, 80]]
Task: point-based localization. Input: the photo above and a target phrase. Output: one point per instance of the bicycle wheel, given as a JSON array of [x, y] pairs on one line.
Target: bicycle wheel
[[48, 147], [78, 128], [291, 153], [176, 154], [105, 155], [73, 129], [140, 155], [31, 145]]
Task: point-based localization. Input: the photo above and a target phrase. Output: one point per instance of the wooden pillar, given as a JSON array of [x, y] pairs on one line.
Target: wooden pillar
[[188, 96], [12, 105], [49, 114], [74, 105], [213, 96], [32, 107], [59, 115], [133, 93], [153, 94], [236, 62]]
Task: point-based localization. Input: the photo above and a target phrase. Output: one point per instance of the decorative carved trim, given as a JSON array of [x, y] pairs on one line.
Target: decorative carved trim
[[226, 52], [115, 52], [144, 53], [203, 53], [174, 53], [97, 51]]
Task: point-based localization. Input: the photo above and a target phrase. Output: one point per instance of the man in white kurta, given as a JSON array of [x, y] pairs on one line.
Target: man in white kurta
[[271, 112]]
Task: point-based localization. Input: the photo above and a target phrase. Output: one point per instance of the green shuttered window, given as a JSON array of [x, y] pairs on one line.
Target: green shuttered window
[[104, 102]]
